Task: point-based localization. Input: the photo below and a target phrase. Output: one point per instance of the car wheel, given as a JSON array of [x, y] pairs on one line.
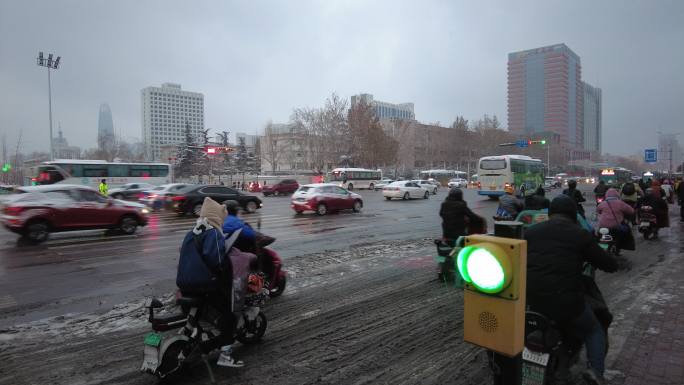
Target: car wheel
[[118, 196], [357, 206], [251, 206], [388, 198], [197, 209], [275, 193], [37, 232], [371, 187], [406, 196], [434, 192], [350, 186], [321, 209], [427, 195], [298, 212], [128, 225]]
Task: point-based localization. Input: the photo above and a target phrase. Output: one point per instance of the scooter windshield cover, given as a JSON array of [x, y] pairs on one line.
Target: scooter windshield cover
[[481, 267]]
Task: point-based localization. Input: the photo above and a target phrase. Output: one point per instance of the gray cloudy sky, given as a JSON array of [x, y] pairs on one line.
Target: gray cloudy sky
[[257, 60]]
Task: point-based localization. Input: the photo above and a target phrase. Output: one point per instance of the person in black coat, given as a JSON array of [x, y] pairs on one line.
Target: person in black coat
[[576, 195], [456, 216], [537, 201], [556, 252]]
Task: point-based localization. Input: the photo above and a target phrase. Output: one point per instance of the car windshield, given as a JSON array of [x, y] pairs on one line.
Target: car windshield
[[305, 189]]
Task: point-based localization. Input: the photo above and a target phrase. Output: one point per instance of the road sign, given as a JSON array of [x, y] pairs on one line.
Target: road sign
[[522, 143], [651, 155]]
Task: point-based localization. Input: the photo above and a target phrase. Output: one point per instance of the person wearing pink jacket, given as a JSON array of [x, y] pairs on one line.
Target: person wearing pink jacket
[[611, 214]]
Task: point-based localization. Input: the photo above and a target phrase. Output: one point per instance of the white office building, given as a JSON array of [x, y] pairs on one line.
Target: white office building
[[384, 110], [165, 111]]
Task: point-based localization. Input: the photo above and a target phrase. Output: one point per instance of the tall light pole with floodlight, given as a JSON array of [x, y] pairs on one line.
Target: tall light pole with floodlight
[[50, 64]]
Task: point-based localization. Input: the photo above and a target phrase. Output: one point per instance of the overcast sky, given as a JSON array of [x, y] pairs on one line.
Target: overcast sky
[[255, 61]]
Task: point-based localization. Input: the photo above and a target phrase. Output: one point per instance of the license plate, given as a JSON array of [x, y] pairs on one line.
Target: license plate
[[645, 224], [153, 339], [536, 357]]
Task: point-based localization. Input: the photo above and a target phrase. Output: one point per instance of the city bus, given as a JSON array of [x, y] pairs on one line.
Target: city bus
[[443, 176], [351, 178], [91, 172], [615, 176], [519, 171]]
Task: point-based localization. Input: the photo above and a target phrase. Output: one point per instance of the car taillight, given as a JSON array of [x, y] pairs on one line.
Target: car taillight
[[13, 211], [178, 198], [152, 196]]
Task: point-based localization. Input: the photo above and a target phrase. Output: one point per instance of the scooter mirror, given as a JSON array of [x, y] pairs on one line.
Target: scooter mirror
[[604, 231]]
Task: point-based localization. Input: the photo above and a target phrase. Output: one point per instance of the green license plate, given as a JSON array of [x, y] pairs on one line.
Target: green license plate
[[153, 339], [604, 246]]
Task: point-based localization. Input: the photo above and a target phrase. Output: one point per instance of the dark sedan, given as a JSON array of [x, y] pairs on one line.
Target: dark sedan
[[190, 199], [132, 191]]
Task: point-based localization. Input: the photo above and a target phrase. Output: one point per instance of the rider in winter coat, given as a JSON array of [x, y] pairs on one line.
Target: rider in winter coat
[[556, 251], [454, 212], [204, 269]]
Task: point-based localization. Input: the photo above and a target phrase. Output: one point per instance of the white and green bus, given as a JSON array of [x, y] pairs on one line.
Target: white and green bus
[[521, 172]]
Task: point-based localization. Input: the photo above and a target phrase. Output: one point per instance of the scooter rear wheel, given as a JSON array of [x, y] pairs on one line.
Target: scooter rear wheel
[[279, 288], [170, 362], [252, 334]]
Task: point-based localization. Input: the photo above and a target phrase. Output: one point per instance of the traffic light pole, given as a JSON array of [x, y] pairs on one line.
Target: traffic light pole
[[506, 370]]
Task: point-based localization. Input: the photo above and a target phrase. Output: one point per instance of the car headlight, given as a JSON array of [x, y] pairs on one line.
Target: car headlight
[[145, 210]]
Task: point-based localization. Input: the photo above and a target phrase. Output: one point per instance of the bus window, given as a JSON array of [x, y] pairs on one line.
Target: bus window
[[159, 171], [94, 170], [493, 164], [118, 170], [139, 171], [73, 170]]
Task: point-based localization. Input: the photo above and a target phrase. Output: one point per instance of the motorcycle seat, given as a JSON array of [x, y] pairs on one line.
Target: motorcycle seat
[[190, 301]]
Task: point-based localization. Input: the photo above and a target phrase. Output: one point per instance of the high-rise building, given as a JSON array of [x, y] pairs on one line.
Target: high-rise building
[[165, 112], [545, 95], [105, 128], [384, 110], [592, 118]]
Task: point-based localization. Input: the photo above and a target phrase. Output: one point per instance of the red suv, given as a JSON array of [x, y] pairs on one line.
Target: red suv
[[325, 197], [284, 187], [35, 212]]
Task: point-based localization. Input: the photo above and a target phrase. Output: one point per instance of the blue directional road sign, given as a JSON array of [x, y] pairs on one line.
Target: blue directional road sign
[[522, 143], [650, 155]]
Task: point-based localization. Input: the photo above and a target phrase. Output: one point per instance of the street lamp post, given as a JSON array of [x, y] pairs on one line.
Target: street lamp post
[[50, 64]]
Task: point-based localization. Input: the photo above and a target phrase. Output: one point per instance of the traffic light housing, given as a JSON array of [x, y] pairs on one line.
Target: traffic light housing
[[495, 271], [6, 167]]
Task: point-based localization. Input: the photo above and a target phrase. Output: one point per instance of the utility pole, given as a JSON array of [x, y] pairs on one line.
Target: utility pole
[[50, 64]]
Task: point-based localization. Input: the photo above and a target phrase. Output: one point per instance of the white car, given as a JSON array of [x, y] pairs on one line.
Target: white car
[[405, 190], [383, 183], [426, 184], [457, 182]]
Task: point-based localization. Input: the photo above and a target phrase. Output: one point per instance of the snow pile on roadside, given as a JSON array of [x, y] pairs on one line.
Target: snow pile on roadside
[[60, 328], [303, 271]]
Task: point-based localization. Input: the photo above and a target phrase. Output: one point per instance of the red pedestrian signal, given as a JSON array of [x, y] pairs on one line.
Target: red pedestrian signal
[[211, 150]]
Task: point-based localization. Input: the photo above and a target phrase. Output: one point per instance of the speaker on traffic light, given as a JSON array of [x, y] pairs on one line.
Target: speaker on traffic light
[[494, 271]]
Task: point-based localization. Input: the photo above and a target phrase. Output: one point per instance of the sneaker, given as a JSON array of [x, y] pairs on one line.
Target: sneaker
[[228, 361], [592, 378]]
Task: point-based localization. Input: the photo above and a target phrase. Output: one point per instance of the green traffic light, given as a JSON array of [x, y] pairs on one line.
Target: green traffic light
[[543, 142], [6, 167], [480, 267]]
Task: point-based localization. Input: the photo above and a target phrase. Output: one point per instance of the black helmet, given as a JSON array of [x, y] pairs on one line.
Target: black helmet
[[103, 180], [564, 205], [233, 207], [456, 194]]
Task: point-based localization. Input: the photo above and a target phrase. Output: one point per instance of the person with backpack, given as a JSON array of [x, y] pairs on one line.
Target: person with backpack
[[205, 269]]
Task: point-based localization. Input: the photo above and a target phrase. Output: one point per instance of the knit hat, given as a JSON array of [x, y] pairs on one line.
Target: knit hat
[[214, 212], [564, 205]]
